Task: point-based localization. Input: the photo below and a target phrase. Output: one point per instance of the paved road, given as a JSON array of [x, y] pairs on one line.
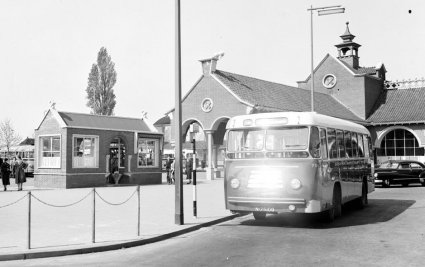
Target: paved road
[[389, 232]]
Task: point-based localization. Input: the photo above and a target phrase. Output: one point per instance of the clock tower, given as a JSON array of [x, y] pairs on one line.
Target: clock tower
[[348, 51]]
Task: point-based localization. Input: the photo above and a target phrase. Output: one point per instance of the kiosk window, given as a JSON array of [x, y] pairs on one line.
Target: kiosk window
[[50, 151], [148, 150], [86, 152]]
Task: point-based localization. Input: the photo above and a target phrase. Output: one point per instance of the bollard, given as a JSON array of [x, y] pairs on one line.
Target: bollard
[[94, 217], [29, 219], [138, 210]]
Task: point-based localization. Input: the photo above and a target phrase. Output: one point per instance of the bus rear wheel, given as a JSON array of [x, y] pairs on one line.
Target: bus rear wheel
[[259, 215], [363, 201]]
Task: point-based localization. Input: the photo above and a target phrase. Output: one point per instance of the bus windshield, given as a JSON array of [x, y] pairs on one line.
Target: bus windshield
[[274, 139]]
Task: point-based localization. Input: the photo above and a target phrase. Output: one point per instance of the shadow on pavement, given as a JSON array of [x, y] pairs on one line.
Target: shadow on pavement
[[378, 211]]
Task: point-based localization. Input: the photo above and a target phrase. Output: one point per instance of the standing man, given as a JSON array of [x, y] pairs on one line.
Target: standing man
[[168, 169]]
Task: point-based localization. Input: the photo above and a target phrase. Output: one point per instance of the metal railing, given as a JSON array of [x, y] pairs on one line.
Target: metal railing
[[93, 193]]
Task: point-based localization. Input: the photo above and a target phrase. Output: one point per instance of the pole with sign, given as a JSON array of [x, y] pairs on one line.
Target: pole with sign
[[195, 213]]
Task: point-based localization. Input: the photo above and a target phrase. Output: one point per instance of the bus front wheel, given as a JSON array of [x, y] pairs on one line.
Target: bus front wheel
[[336, 208], [259, 215]]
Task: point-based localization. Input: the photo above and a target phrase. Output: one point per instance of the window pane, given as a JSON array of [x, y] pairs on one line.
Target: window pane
[[419, 151], [323, 144], [78, 149], [314, 142], [56, 144], [147, 153], [410, 151], [399, 134], [347, 143], [360, 143], [399, 143], [46, 143], [340, 144], [333, 152]]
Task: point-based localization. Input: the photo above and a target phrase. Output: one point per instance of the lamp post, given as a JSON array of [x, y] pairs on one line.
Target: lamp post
[[326, 10], [179, 215]]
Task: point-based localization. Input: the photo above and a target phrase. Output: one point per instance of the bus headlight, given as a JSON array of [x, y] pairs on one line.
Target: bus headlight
[[235, 183], [296, 184]]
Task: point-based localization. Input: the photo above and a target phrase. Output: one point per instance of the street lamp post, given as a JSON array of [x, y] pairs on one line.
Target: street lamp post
[[179, 215], [326, 10]]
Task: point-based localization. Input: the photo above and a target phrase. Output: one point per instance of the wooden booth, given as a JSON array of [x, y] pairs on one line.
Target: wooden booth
[[81, 150]]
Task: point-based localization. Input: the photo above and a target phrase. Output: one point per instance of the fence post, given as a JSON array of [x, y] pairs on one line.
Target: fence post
[[94, 217], [138, 210], [29, 219]]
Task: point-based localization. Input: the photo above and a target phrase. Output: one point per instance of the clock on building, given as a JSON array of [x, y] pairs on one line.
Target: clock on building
[[329, 81], [207, 105]]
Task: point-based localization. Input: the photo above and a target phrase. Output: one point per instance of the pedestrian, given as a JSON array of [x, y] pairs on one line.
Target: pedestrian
[[5, 173], [168, 169], [172, 173], [189, 168], [20, 177]]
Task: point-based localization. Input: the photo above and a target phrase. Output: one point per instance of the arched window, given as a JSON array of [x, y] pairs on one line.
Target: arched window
[[400, 142]]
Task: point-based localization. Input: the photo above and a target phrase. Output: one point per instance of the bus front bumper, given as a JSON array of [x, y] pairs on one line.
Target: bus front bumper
[[274, 205]]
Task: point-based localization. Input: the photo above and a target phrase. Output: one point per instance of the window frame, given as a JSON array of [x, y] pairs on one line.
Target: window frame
[[96, 150], [156, 153], [40, 151]]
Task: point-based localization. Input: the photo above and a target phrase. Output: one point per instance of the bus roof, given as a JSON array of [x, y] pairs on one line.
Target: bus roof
[[273, 119]]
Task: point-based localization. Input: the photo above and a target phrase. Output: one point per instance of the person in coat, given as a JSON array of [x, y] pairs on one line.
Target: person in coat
[[20, 177], [5, 173]]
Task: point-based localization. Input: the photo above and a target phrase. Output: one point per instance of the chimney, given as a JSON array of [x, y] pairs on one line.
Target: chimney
[[209, 64]]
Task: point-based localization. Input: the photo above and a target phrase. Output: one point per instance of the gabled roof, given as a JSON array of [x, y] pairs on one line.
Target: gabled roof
[[163, 121], [27, 141], [399, 106], [270, 96], [89, 121]]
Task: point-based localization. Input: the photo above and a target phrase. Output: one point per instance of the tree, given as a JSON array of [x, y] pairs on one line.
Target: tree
[[102, 78], [8, 136]]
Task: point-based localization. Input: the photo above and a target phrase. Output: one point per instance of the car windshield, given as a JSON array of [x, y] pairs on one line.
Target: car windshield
[[389, 165]]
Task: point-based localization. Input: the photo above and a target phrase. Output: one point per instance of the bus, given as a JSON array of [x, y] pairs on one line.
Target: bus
[[296, 162]]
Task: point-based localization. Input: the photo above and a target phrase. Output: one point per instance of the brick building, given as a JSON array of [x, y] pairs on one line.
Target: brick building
[[82, 150], [392, 111]]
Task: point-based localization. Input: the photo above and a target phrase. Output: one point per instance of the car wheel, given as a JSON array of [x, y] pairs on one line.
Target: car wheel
[[259, 216], [386, 183]]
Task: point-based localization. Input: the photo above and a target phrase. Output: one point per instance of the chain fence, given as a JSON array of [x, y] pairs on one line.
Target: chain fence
[[30, 195]]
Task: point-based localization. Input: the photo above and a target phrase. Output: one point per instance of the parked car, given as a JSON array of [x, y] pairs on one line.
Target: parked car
[[401, 172]]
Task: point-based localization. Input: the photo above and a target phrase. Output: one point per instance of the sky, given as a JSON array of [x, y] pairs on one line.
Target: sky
[[47, 47]]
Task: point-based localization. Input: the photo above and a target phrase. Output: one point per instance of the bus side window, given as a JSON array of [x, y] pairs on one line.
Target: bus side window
[[354, 145], [323, 144], [361, 148], [340, 144], [333, 152], [314, 142], [347, 142], [366, 146]]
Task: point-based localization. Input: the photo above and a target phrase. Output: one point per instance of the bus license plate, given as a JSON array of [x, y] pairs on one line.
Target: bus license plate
[[265, 209]]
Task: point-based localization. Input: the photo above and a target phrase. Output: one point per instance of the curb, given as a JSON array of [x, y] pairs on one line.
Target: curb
[[102, 248]]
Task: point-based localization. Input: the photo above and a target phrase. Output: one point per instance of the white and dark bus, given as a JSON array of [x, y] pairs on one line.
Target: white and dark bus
[[296, 162]]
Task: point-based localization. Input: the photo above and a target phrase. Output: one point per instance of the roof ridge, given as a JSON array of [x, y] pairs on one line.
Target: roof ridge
[[97, 115], [294, 87], [257, 79]]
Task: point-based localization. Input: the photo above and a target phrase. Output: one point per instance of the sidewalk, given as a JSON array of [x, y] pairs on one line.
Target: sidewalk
[[57, 230]]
